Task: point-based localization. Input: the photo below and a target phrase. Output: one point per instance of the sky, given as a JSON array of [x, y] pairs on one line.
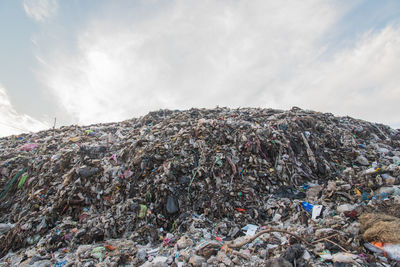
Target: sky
[[92, 61]]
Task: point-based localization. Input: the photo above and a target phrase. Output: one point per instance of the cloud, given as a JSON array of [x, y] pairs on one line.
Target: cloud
[[11, 122], [191, 54], [361, 80], [40, 10], [208, 53]]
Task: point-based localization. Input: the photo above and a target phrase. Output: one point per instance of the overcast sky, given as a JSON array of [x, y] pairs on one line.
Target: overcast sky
[[99, 61]]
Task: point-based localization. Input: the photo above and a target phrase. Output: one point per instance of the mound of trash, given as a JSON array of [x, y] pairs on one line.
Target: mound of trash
[[203, 187]]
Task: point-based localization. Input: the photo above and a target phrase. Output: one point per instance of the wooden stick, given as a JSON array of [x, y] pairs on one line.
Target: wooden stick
[[329, 236], [330, 241], [271, 230], [54, 125]]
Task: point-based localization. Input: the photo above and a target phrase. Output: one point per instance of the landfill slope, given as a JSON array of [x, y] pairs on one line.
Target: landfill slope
[[140, 185]]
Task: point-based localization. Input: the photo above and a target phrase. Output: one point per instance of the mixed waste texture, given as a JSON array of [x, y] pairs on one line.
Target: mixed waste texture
[[203, 187]]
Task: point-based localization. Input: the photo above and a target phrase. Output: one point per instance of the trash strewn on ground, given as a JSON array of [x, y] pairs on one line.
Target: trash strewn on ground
[[203, 187]]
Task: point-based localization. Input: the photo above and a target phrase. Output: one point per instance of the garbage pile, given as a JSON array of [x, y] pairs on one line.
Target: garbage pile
[[203, 187]]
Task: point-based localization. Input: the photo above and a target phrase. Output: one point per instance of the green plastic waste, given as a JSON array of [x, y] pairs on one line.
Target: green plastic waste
[[7, 188], [143, 210], [33, 239], [22, 180], [218, 161], [98, 253]]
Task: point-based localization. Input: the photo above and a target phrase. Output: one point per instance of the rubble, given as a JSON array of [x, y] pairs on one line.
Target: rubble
[[203, 187]]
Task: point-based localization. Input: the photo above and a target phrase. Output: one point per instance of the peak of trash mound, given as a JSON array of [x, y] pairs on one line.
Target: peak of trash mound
[[203, 187]]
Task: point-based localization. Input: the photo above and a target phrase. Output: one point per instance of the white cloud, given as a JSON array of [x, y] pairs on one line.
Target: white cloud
[[11, 122], [208, 53], [194, 53], [40, 10], [360, 81]]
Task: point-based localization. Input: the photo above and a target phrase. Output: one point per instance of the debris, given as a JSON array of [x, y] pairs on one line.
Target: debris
[[250, 229], [391, 250], [245, 187], [29, 146], [197, 261], [293, 252], [184, 242], [380, 227], [172, 205], [362, 160], [5, 227], [250, 239], [316, 211], [345, 208], [278, 262], [343, 257]]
